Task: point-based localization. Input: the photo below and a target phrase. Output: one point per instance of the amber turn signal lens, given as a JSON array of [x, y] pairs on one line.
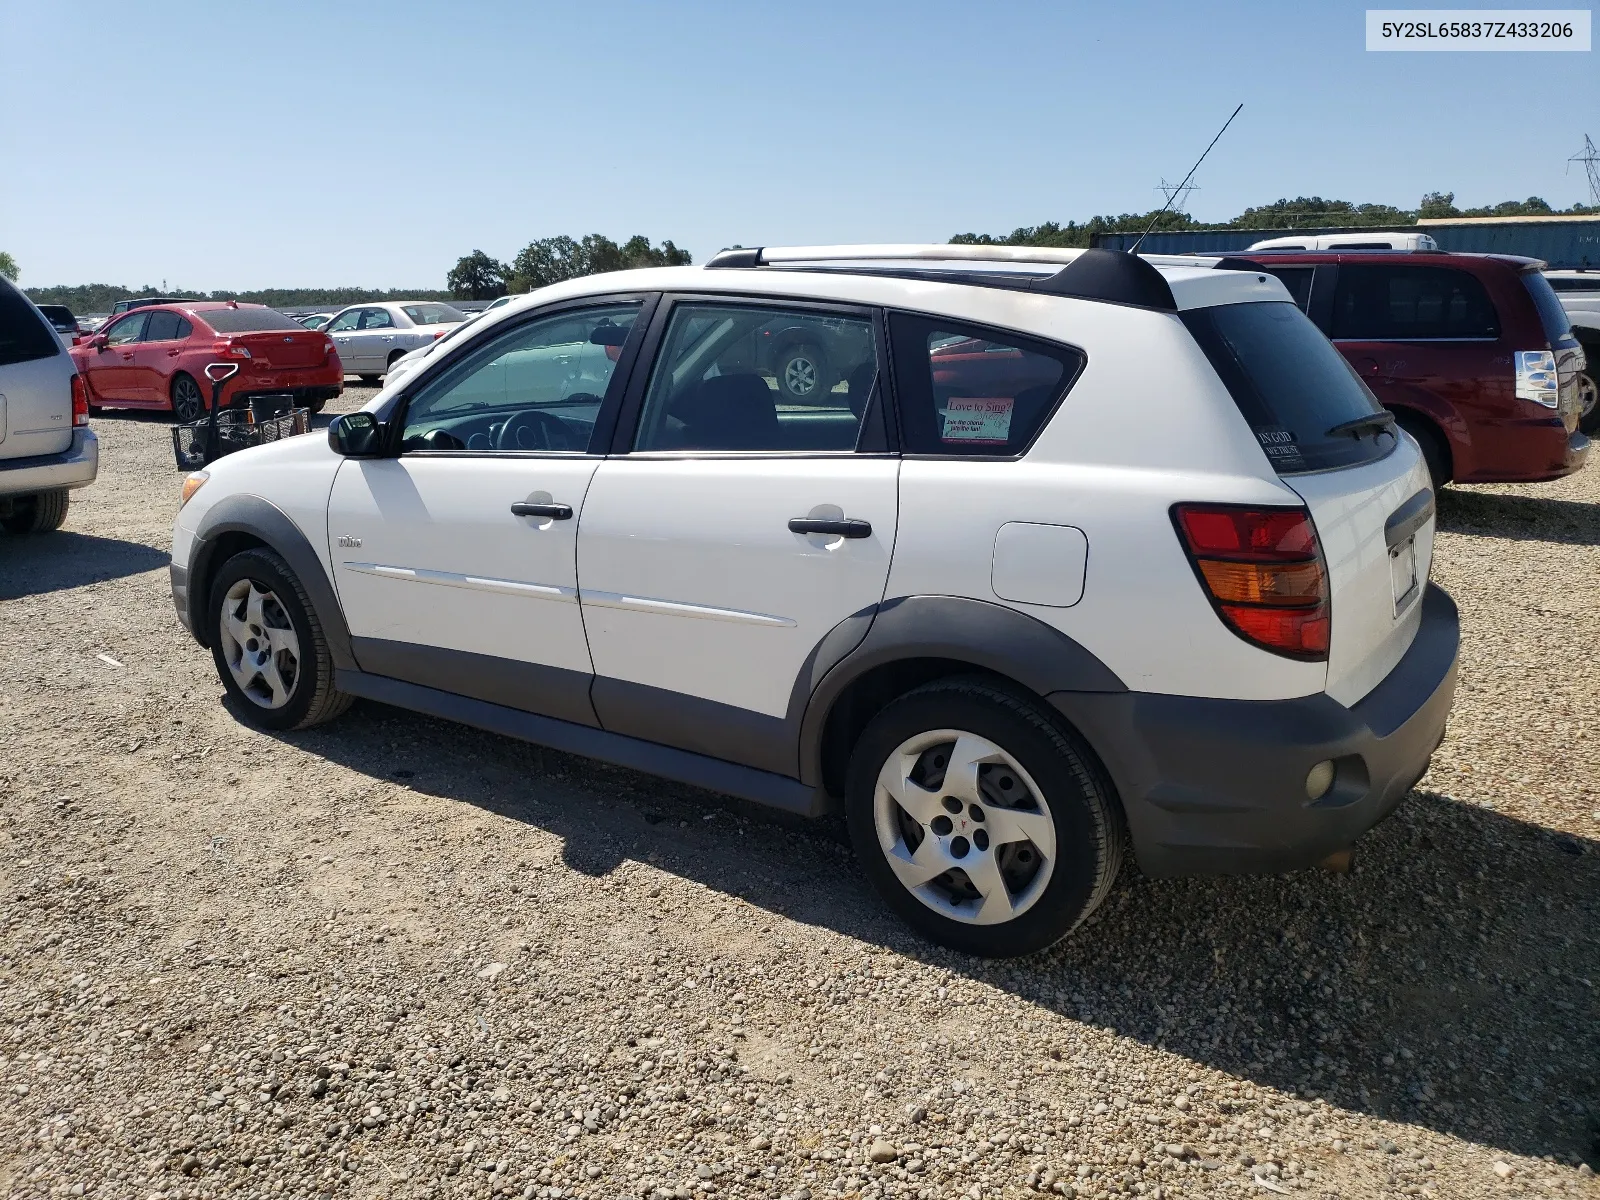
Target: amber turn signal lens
[[1264, 583], [192, 484]]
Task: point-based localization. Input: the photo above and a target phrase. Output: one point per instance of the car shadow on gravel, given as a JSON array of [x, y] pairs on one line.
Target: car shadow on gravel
[[1521, 518], [52, 562], [1448, 982]]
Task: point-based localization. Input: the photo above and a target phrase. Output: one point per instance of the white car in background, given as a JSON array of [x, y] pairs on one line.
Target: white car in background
[[372, 337], [1350, 241], [1579, 293]]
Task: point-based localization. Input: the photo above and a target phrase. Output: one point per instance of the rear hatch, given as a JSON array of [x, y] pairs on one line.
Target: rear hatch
[[275, 342], [35, 381], [1566, 354], [1363, 482]]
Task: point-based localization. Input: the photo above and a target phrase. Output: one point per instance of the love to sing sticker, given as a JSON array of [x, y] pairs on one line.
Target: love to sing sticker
[[977, 419]]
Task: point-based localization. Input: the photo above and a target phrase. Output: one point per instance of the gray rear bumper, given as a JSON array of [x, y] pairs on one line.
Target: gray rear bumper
[[1218, 786], [74, 467]]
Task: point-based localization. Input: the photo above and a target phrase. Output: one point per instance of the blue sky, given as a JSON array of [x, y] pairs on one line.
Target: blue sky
[[317, 144]]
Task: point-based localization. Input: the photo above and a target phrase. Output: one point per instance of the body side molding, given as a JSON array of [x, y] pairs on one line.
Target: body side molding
[[697, 770]]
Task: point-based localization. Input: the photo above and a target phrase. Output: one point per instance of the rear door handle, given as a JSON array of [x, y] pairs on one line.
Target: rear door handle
[[849, 527], [560, 512]]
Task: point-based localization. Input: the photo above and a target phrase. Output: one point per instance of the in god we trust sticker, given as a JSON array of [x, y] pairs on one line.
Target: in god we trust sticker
[[985, 419]]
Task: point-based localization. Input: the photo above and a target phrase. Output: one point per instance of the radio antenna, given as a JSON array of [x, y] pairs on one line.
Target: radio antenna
[[1133, 249]]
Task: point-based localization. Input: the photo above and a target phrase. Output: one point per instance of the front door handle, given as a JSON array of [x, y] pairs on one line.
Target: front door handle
[[849, 527], [560, 512]]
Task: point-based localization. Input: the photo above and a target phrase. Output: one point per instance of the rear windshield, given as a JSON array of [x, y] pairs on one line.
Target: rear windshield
[[1557, 325], [434, 314], [1290, 383], [247, 319], [23, 336]]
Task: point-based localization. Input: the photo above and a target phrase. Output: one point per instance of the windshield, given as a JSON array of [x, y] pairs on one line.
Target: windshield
[[1290, 384], [433, 314], [1557, 325], [247, 319]]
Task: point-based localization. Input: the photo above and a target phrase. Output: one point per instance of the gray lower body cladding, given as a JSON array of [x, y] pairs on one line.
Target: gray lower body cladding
[[1219, 786]]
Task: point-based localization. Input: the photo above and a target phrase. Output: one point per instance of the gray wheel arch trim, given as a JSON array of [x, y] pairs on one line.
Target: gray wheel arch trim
[[262, 519], [988, 636]]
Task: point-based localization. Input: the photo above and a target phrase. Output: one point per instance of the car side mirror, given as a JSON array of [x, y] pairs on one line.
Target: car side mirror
[[98, 342], [356, 435]]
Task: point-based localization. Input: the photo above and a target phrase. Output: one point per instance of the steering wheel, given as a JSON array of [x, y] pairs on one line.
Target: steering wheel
[[531, 429]]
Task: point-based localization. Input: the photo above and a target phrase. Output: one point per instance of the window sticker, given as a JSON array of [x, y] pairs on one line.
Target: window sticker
[[985, 420], [1280, 446]]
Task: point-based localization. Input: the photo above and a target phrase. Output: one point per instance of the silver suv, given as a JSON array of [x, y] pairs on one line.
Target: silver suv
[[46, 445]]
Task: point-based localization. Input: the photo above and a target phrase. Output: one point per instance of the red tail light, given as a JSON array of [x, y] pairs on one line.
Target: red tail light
[[226, 348], [80, 401], [330, 350], [1263, 570]]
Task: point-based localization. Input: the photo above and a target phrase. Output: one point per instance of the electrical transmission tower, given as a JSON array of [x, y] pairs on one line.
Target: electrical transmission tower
[[1177, 194], [1590, 158]]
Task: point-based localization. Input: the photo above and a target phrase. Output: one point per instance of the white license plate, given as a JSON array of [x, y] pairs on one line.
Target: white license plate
[[1403, 573]]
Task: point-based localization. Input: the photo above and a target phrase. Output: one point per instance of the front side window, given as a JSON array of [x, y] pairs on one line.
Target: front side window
[[1381, 303], [344, 322], [376, 318], [537, 387], [127, 331], [965, 390], [163, 327], [760, 378]]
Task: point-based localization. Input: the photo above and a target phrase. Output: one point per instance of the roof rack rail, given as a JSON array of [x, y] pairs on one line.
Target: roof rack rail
[[1109, 276]]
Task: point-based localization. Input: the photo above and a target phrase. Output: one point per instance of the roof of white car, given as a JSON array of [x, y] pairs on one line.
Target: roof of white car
[[882, 274]]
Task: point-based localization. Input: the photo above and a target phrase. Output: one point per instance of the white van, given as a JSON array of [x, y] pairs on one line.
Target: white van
[[1351, 241]]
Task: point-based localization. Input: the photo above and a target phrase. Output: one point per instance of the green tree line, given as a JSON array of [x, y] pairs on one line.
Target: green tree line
[[1303, 212], [477, 276]]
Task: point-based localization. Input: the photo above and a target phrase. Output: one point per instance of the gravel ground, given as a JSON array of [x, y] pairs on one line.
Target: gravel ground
[[393, 957]]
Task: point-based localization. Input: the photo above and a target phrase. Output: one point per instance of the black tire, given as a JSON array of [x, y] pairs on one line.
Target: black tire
[[188, 401], [312, 699], [804, 376], [369, 380], [43, 512], [1435, 451], [317, 405], [1589, 397], [1087, 823]]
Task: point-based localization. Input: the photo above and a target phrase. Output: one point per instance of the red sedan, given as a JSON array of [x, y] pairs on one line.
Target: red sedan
[[156, 358]]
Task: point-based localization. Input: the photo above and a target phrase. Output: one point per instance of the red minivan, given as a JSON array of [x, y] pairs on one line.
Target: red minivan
[[1473, 353]]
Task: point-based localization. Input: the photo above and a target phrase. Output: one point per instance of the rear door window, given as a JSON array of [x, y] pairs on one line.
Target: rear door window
[[1291, 385], [163, 327], [969, 391], [23, 336], [1381, 303]]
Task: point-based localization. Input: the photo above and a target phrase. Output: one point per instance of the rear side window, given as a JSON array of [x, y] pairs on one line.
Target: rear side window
[[1398, 304], [965, 390], [23, 336], [1557, 325], [1291, 385], [248, 320]]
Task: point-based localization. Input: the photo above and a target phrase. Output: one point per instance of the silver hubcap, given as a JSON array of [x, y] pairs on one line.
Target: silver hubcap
[[800, 376], [1587, 394], [259, 644], [964, 827]]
